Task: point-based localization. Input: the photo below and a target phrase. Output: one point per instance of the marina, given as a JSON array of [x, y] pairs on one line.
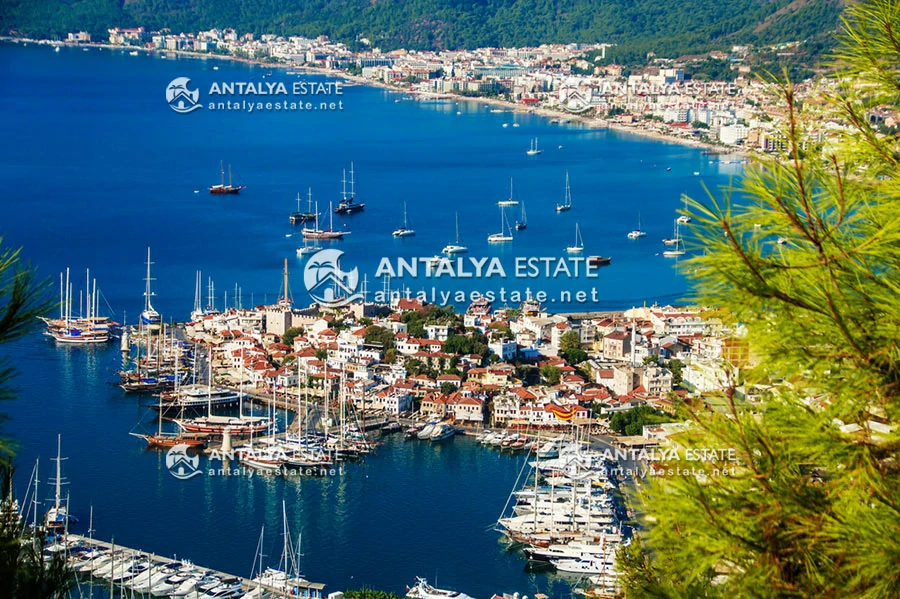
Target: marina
[[101, 563], [394, 492]]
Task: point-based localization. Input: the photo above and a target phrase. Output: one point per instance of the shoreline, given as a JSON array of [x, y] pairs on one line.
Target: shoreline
[[549, 113]]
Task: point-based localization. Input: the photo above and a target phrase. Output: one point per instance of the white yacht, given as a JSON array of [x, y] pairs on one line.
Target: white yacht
[[404, 230], [456, 247], [423, 590], [637, 233], [510, 201], [578, 247], [505, 234]]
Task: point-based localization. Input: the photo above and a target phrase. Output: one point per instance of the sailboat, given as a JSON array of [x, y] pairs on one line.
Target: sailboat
[[579, 243], [533, 150], [326, 234], [222, 189], [522, 224], [299, 217], [505, 233], [150, 318], [637, 233], [567, 199], [239, 426], [674, 239], [404, 230], [84, 329], [509, 201], [288, 574], [455, 247], [160, 439], [57, 517], [684, 218], [348, 203], [676, 243]]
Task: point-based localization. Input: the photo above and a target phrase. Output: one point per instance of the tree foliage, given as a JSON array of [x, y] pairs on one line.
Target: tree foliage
[[813, 478], [632, 422], [635, 26], [380, 335], [23, 571], [291, 334], [551, 374]]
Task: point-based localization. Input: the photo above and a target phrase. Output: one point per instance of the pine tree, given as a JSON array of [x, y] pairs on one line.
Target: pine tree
[[804, 259]]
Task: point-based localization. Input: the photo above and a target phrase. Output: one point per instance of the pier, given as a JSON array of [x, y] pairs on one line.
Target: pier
[[303, 588]]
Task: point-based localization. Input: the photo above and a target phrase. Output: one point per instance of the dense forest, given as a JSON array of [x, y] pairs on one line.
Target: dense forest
[[636, 26]]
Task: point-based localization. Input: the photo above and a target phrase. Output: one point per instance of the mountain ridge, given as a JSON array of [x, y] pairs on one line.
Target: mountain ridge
[[635, 26]]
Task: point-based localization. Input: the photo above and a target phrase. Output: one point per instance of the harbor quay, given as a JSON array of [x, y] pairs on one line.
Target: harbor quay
[[82, 555]]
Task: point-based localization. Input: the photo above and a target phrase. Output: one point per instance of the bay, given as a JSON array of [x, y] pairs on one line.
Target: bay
[[97, 167]]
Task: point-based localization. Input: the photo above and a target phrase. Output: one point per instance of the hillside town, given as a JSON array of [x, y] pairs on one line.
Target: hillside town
[[506, 368], [661, 100]]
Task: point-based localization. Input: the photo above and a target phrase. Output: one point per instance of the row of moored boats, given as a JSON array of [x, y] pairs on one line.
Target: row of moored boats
[[564, 516]]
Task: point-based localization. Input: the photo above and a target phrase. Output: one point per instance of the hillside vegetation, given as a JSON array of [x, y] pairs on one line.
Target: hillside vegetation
[[636, 26]]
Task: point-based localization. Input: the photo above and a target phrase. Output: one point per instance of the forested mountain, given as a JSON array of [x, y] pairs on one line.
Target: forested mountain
[[668, 28]]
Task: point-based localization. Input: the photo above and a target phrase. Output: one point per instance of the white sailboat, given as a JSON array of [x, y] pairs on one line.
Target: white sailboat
[[405, 230], [522, 224], [57, 517], [578, 247], [675, 243], [673, 240], [510, 201], [505, 234], [684, 218], [533, 150], [567, 199], [637, 233], [150, 318], [456, 247]]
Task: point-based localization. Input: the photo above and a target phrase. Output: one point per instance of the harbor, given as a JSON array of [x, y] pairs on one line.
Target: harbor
[[124, 569], [411, 498]]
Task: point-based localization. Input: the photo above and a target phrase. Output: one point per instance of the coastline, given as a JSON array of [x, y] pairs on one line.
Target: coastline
[[563, 116]]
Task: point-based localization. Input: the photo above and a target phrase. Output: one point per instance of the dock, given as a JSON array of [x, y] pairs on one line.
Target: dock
[[306, 589]]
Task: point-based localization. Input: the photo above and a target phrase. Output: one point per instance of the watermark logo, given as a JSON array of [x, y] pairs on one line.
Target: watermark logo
[[181, 98], [181, 465], [327, 283]]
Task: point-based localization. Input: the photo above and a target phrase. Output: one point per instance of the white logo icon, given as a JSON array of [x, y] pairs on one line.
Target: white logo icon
[[327, 283], [180, 97], [181, 465]]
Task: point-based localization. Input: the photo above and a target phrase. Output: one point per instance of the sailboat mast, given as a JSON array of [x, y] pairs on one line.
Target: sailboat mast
[[147, 283], [68, 299], [222, 171], [87, 302], [58, 467], [352, 183]]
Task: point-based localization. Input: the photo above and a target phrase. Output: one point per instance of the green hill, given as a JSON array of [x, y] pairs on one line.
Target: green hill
[[637, 26]]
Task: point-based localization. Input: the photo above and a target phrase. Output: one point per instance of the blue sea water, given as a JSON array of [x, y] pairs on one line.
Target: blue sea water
[[97, 167]]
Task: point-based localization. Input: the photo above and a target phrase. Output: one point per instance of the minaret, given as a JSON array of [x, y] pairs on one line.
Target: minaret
[[286, 300]]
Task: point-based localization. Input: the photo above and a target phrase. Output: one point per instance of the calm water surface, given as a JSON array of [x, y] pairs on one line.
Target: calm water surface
[[96, 168]]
